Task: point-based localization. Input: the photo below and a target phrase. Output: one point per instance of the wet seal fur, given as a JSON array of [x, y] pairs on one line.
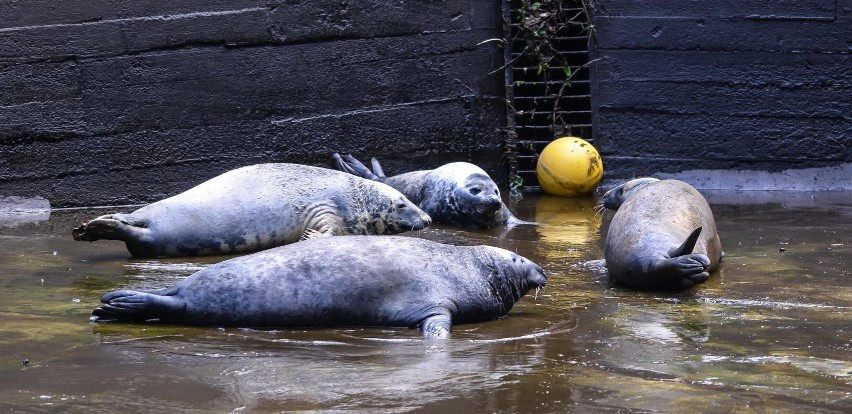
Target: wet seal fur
[[393, 281], [662, 236], [458, 193], [258, 207]]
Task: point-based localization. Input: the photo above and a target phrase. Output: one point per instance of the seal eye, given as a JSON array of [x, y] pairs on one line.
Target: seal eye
[[400, 206], [475, 190]]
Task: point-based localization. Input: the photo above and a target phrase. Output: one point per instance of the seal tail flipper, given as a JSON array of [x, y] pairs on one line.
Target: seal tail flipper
[[348, 163], [132, 305], [110, 227], [688, 245], [678, 271], [377, 168], [437, 326]]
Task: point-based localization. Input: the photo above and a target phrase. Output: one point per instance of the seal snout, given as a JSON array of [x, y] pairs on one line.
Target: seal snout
[[537, 278], [406, 216], [425, 221], [493, 199], [534, 273], [489, 204], [612, 199]]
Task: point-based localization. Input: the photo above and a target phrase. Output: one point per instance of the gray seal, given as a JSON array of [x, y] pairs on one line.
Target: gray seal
[[458, 193], [662, 236], [392, 281], [258, 207]]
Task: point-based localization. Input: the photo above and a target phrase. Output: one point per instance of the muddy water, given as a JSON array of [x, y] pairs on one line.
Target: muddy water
[[771, 331]]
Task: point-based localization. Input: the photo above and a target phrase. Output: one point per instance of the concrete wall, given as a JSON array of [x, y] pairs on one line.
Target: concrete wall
[[732, 84], [106, 102]]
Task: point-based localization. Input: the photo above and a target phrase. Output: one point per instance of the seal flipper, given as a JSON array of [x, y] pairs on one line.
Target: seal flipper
[[437, 326], [312, 234], [688, 245], [681, 268], [132, 305], [681, 271], [377, 168], [512, 221], [111, 227], [348, 163]]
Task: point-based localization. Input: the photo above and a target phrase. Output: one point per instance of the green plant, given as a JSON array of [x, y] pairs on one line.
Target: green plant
[[539, 26]]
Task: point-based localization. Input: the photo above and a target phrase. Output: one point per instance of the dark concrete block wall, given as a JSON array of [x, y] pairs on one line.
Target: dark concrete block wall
[[119, 102], [733, 84]]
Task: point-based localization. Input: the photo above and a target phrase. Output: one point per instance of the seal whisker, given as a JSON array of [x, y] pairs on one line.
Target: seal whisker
[[600, 210]]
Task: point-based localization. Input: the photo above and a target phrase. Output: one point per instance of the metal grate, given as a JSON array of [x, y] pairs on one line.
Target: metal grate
[[541, 105]]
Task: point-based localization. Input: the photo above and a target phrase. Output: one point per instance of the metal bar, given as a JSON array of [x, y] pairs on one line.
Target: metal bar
[[510, 147]]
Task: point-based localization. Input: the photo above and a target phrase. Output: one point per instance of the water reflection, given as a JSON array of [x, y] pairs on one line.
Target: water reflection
[[769, 332], [570, 221]]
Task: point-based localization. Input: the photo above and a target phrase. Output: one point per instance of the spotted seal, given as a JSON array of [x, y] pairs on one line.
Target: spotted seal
[[458, 193], [258, 207], [393, 281], [662, 236]]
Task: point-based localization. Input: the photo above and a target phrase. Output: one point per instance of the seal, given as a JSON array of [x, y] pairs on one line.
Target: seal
[[391, 281], [258, 207], [662, 235], [458, 193]]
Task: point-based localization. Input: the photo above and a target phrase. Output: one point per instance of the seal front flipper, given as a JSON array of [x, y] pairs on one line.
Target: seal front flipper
[[348, 163], [437, 326], [312, 233], [111, 227], [132, 305]]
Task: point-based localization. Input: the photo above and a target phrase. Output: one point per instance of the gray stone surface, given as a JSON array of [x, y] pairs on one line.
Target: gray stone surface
[[122, 102], [16, 211], [834, 178], [729, 85]]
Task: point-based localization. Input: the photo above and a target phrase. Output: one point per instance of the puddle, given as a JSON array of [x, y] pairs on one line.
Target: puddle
[[771, 331]]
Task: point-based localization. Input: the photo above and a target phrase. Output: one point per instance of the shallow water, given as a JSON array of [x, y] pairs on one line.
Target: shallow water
[[771, 331]]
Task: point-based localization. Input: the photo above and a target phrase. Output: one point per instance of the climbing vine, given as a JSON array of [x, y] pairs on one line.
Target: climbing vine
[[540, 26]]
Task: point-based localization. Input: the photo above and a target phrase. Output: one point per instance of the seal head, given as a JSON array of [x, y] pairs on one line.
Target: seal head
[[513, 288], [458, 193], [462, 194], [399, 215], [613, 198]]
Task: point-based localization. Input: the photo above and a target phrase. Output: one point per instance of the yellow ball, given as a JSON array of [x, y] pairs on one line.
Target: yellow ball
[[569, 166]]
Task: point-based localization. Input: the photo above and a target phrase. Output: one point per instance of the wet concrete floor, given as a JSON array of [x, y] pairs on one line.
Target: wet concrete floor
[[771, 331]]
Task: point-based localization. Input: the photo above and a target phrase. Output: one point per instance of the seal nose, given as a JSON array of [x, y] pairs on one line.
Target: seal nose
[[492, 203], [612, 199], [537, 278]]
